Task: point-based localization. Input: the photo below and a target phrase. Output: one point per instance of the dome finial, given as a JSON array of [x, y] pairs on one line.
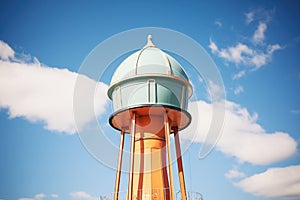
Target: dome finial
[[150, 43]]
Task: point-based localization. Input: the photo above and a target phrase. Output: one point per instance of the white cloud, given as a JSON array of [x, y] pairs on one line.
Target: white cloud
[[218, 23], [281, 183], [261, 59], [54, 195], [213, 46], [259, 34], [242, 137], [39, 196], [239, 89], [272, 48], [25, 199], [5, 51], [258, 15], [239, 75], [237, 54], [43, 94], [241, 54], [252, 53], [82, 195], [249, 17], [215, 91], [233, 174]]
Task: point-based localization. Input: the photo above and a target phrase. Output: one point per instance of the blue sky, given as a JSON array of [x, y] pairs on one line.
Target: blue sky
[[254, 44]]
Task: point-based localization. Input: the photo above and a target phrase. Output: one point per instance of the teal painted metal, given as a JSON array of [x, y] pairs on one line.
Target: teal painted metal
[[148, 77], [148, 61]]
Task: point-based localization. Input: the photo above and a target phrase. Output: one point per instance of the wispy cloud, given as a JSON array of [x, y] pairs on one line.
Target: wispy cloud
[[297, 38], [295, 111], [239, 89], [281, 183], [242, 54], [242, 136], [236, 54], [249, 17], [258, 14], [40, 93], [215, 92], [259, 34], [239, 75], [26, 199], [81, 195], [39, 196], [234, 174], [213, 47], [253, 52], [218, 23], [54, 195]]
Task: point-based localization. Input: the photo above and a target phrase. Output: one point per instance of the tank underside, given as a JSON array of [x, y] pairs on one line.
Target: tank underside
[[121, 119]]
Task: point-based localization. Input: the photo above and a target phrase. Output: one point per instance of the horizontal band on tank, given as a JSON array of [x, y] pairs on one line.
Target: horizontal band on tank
[[149, 76], [148, 136], [121, 119]]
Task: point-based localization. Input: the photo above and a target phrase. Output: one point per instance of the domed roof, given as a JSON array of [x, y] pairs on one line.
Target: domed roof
[[149, 60]]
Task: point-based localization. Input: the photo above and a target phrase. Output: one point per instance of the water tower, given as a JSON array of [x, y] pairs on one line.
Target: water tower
[[150, 93]]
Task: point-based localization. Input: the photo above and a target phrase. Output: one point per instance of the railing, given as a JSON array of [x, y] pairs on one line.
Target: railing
[[190, 196], [153, 194]]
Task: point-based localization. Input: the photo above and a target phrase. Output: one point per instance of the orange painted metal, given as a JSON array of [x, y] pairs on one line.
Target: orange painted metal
[[118, 173], [122, 119], [179, 165], [167, 135], [132, 155], [150, 175], [150, 179]]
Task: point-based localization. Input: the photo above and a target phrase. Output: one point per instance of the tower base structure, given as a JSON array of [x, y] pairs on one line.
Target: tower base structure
[[149, 127]]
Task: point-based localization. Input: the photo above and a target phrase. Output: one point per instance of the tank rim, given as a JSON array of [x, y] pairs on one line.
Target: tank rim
[[131, 110]]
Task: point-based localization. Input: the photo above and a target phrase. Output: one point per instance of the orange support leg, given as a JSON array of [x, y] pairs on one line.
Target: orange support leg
[[167, 135], [118, 174], [179, 164], [132, 147]]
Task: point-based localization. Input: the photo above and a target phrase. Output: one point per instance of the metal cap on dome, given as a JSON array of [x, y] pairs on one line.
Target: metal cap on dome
[[150, 42]]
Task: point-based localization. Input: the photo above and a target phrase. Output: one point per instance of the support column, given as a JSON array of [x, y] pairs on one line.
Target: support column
[[167, 135], [179, 164], [132, 147], [118, 173]]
